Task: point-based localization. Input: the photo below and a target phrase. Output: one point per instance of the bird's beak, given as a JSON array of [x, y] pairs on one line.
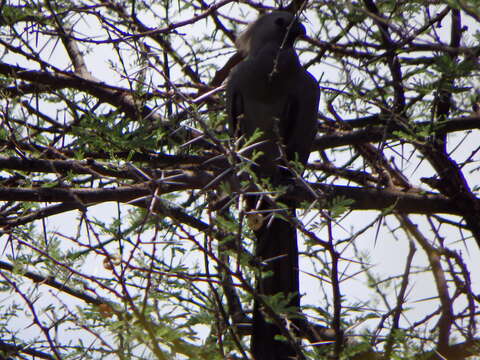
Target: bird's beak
[[299, 30]]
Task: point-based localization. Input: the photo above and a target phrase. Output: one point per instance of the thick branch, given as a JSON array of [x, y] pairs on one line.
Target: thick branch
[[375, 133], [363, 198], [113, 95]]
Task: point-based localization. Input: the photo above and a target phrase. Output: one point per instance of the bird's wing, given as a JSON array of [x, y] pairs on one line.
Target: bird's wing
[[251, 107], [300, 117], [234, 101]]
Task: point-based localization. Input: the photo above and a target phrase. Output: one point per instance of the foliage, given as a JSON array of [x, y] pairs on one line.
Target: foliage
[[124, 231]]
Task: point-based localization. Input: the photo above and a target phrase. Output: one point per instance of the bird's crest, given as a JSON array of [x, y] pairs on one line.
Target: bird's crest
[[243, 40]]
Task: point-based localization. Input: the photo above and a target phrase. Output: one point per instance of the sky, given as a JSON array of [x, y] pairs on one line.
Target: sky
[[386, 254]]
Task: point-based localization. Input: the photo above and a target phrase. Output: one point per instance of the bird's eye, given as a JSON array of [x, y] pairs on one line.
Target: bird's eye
[[280, 22]]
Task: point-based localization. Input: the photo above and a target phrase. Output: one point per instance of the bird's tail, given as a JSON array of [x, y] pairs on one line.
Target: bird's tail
[[277, 253]]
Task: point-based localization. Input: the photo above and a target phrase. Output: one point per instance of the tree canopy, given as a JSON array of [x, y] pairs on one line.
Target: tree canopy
[[123, 229]]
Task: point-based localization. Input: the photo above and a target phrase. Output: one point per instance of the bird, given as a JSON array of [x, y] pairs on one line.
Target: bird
[[271, 93]]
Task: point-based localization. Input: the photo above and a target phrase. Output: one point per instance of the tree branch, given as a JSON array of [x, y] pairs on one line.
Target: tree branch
[[363, 198]]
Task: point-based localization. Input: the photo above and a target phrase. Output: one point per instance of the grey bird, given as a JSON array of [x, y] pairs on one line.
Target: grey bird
[[270, 91]]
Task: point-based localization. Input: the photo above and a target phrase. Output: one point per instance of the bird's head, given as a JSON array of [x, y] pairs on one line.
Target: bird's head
[[279, 27]]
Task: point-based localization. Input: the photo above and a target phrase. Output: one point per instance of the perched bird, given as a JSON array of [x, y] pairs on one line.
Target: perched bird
[[271, 92]]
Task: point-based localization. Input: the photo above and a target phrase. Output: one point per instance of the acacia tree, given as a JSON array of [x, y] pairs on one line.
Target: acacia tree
[[121, 103]]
